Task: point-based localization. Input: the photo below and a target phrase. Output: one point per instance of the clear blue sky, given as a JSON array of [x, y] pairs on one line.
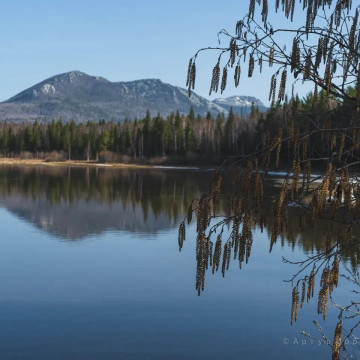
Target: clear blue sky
[[119, 40]]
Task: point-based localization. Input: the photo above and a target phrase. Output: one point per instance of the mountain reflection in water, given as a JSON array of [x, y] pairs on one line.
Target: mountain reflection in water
[[138, 297], [73, 203], [76, 202]]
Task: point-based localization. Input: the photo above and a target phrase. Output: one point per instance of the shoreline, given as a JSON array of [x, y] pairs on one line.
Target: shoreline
[[81, 163]]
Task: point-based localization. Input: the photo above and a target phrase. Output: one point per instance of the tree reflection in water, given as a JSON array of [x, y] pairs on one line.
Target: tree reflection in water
[[164, 198], [76, 202]]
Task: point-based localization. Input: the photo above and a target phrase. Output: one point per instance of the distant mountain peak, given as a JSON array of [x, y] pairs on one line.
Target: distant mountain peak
[[75, 75], [82, 97], [239, 101]]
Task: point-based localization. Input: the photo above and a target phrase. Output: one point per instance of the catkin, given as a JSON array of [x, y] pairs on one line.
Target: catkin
[[251, 66], [238, 28], [188, 83], [223, 79], [251, 9], [233, 51], [193, 75], [295, 55], [264, 12], [217, 254], [319, 53], [271, 56], [181, 236], [307, 67], [237, 73], [337, 341], [311, 285], [215, 79], [282, 87], [294, 305], [303, 292]]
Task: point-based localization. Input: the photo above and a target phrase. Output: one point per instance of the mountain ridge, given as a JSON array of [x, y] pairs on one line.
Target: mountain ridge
[[82, 97]]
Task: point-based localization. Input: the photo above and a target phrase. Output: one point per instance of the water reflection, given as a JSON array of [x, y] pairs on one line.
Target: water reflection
[[76, 202], [144, 280]]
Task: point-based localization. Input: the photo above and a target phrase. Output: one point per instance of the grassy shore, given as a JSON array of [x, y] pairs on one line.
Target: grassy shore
[[32, 162]]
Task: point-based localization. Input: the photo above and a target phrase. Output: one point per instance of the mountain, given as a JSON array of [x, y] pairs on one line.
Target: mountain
[[138, 201], [76, 95], [85, 217], [240, 104]]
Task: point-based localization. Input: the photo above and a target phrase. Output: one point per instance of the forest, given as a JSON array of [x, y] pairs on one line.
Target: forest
[[177, 135], [187, 138]]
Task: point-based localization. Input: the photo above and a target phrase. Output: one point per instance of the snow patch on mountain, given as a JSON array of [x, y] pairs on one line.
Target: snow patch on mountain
[[239, 101], [47, 89]]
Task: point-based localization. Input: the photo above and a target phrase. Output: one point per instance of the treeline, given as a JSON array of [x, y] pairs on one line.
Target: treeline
[[176, 135], [315, 128], [190, 136], [154, 192]]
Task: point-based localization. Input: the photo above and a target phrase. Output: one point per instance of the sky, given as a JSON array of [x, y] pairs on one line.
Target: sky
[[118, 40]]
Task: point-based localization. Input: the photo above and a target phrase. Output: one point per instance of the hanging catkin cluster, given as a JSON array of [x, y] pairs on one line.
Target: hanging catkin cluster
[[303, 293], [217, 254], [238, 28], [234, 51], [329, 279], [307, 68], [251, 9], [277, 146], [324, 191], [264, 11], [337, 341], [271, 56], [335, 271], [352, 34], [203, 255], [322, 301], [311, 286], [295, 55], [319, 53], [272, 92], [224, 79], [246, 237], [203, 214], [226, 258], [181, 237], [288, 7], [191, 75], [215, 78], [282, 85], [329, 68], [294, 305], [251, 65], [260, 62], [237, 74]]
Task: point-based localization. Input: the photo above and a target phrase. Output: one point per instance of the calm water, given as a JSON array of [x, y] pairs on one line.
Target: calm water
[[90, 269]]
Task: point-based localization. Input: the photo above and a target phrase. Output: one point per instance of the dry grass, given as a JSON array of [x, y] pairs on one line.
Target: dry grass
[[32, 162]]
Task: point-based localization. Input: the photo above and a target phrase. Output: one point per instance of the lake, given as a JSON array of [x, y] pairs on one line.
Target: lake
[[90, 268]]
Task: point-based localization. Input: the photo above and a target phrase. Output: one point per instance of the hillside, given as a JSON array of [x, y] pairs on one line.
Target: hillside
[[76, 95]]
